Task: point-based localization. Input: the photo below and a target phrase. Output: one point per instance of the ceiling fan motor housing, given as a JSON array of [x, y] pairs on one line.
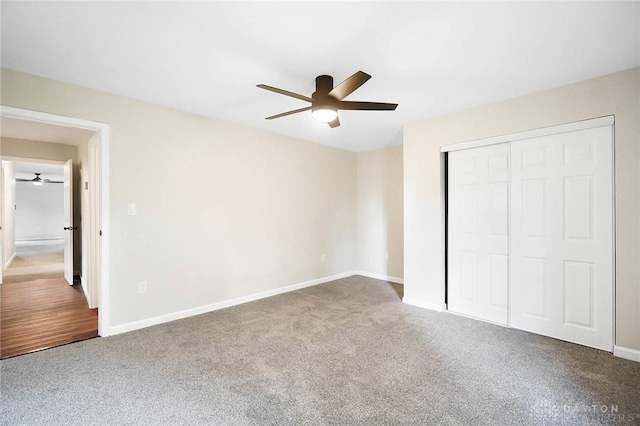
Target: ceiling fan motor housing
[[324, 84], [321, 98]]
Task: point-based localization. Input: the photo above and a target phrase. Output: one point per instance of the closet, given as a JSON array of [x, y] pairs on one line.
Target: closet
[[530, 231]]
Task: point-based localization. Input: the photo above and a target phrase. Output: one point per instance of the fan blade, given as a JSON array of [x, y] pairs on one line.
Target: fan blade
[[334, 123], [285, 92], [23, 180], [348, 86], [51, 181], [366, 106], [295, 111]]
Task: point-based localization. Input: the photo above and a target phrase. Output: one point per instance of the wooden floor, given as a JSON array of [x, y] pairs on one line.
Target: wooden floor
[[43, 313]]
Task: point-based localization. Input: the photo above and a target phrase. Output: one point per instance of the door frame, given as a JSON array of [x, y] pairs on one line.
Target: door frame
[[100, 208], [608, 120]]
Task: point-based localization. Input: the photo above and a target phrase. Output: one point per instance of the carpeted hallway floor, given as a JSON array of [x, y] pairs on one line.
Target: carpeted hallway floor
[[342, 353], [36, 260]]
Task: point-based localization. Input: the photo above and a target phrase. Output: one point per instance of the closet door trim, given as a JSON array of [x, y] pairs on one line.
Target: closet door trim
[[545, 131]]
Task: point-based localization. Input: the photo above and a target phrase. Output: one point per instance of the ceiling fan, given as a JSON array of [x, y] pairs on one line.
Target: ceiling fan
[[327, 100], [38, 180]]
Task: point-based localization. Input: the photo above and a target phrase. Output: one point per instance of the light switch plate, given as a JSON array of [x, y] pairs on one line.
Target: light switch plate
[[132, 209]]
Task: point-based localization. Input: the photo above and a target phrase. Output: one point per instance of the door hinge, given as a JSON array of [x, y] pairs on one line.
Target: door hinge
[[101, 232]]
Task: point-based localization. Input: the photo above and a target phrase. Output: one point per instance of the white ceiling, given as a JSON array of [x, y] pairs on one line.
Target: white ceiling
[[430, 57], [47, 171]]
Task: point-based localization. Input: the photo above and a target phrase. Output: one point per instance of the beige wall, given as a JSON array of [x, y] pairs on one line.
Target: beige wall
[[616, 94], [380, 208], [224, 210], [37, 150]]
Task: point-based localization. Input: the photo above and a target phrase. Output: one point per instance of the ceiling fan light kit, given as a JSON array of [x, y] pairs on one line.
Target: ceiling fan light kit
[[37, 181], [327, 100], [324, 114]]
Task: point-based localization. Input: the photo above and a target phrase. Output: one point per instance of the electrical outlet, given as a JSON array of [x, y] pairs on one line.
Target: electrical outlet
[[324, 257], [142, 286], [132, 210]]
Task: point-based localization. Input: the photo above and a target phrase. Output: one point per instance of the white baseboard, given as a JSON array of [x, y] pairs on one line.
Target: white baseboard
[[123, 328], [626, 353], [83, 284], [13, 256], [380, 277], [439, 307]]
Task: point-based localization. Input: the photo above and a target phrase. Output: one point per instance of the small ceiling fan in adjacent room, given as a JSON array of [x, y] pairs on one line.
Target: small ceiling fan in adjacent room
[[38, 180], [327, 100]]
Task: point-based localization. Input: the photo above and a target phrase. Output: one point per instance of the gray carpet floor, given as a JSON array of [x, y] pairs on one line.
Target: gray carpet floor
[[342, 353]]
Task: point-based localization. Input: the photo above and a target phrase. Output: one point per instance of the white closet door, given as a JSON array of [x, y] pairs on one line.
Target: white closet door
[[478, 265], [561, 245]]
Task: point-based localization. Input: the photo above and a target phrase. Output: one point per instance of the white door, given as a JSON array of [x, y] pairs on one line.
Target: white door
[[1, 223], [561, 239], [478, 223], [68, 221]]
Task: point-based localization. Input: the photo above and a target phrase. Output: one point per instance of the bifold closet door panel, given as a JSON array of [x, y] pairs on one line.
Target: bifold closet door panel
[[478, 247], [561, 236]]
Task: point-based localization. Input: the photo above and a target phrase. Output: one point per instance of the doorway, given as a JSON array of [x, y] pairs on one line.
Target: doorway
[[43, 301], [91, 193], [38, 222]]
